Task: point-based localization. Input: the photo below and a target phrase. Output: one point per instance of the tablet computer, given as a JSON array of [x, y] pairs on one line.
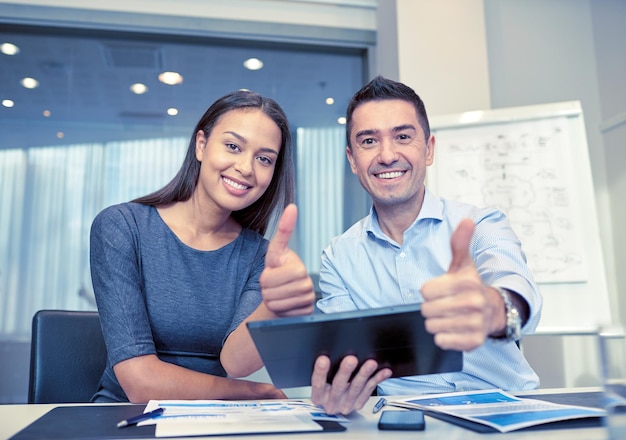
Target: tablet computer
[[393, 336]]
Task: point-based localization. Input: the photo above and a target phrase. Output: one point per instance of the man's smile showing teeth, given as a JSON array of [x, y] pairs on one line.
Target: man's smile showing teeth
[[235, 184], [390, 175]]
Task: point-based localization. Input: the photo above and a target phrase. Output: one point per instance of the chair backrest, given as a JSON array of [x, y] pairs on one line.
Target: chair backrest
[[67, 356]]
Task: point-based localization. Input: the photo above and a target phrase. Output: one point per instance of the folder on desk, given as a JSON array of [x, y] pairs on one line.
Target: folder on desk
[[495, 410], [95, 422]]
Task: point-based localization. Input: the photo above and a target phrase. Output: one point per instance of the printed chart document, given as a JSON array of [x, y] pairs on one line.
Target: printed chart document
[[495, 410], [182, 418]]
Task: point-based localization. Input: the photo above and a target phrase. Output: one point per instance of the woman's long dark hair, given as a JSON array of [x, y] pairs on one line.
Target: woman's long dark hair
[[281, 189]]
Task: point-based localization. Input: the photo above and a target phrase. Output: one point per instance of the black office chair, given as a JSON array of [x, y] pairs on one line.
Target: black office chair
[[67, 356]]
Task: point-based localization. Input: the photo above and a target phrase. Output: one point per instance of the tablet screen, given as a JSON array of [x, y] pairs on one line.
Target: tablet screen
[[394, 336]]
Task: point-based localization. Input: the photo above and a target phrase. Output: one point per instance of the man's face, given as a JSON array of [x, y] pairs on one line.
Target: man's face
[[389, 154]]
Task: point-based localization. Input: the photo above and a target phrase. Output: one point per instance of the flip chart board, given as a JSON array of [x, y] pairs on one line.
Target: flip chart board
[[532, 162]]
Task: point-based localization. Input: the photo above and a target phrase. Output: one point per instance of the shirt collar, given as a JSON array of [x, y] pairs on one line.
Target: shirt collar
[[432, 207]]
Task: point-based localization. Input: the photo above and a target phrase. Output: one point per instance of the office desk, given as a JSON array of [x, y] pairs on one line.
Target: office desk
[[362, 426]]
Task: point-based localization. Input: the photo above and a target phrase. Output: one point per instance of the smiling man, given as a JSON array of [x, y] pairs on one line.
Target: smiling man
[[464, 264]]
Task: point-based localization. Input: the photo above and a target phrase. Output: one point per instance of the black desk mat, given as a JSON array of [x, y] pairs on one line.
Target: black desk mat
[[86, 422], [91, 422]]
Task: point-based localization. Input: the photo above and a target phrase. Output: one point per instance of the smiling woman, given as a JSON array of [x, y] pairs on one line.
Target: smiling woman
[[194, 250]]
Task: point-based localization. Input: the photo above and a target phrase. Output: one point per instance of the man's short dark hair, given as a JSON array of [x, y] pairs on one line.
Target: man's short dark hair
[[380, 89]]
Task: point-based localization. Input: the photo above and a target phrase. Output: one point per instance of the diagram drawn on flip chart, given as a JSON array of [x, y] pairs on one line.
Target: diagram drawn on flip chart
[[525, 170], [532, 163]]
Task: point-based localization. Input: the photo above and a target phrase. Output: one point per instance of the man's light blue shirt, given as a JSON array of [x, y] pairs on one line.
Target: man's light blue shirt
[[363, 268]]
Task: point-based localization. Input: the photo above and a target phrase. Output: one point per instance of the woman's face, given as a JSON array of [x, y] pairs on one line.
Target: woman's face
[[238, 158]]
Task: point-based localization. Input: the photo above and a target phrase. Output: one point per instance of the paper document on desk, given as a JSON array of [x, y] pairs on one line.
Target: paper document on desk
[[495, 409], [220, 417]]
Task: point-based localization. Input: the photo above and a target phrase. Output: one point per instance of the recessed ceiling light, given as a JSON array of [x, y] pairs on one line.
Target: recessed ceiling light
[[46, 113], [171, 78], [253, 64], [29, 83], [469, 117], [341, 120], [139, 88], [8, 103], [60, 135], [172, 111], [330, 100], [9, 49]]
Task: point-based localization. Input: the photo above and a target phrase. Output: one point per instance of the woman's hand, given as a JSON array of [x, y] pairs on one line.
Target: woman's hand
[[286, 286]]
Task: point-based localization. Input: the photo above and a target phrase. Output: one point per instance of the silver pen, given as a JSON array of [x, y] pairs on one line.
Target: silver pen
[[379, 405]]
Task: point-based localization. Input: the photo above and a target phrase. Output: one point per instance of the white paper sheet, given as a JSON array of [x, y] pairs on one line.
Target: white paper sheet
[[218, 417]]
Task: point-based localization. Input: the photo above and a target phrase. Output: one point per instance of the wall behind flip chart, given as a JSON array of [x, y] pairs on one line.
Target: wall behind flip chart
[[532, 162]]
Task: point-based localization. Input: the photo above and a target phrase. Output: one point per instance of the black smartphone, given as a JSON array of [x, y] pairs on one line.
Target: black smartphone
[[412, 420]]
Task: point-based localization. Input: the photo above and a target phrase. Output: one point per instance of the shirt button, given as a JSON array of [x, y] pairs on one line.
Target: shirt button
[[409, 295], [402, 255]]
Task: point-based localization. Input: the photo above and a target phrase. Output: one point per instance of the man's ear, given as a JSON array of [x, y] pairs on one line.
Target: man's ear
[[430, 150], [200, 145], [351, 160]]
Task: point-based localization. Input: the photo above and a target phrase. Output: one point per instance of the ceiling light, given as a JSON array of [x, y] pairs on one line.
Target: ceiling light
[[9, 49], [60, 135], [330, 101], [253, 64], [172, 111], [139, 88], [470, 117], [8, 103], [46, 113], [341, 120], [29, 83], [171, 78]]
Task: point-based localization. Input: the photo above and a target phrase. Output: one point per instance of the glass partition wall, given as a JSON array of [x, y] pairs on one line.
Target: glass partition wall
[[92, 118]]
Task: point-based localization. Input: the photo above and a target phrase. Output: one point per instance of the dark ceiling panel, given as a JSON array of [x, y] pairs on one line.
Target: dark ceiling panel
[[85, 78]]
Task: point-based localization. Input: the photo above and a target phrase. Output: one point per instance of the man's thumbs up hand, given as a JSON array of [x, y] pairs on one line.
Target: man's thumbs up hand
[[460, 243], [457, 306]]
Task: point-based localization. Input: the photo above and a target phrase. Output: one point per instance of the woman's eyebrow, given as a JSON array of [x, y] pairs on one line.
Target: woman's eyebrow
[[237, 135], [245, 141]]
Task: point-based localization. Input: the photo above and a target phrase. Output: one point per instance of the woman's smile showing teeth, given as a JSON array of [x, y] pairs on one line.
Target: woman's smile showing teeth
[[235, 185]]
